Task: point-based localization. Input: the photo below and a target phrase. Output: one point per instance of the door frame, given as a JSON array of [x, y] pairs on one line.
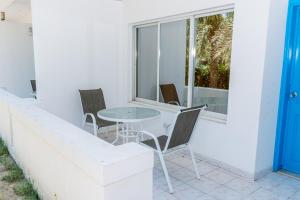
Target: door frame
[[285, 80]]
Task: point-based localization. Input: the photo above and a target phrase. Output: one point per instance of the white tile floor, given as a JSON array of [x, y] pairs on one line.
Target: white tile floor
[[218, 184], [215, 183]]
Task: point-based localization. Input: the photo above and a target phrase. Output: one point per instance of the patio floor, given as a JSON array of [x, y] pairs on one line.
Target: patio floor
[[218, 184], [215, 183]]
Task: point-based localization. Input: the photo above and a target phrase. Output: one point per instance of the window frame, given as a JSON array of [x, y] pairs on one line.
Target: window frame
[[192, 16]]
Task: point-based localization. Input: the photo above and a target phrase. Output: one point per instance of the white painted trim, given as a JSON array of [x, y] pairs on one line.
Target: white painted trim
[[204, 12], [157, 105], [165, 21], [260, 174], [214, 117], [206, 115], [158, 62], [227, 167], [145, 25], [192, 55], [134, 57], [223, 11]]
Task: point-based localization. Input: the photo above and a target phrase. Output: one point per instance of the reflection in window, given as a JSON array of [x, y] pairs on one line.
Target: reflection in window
[[212, 61], [165, 52], [172, 78], [146, 70]]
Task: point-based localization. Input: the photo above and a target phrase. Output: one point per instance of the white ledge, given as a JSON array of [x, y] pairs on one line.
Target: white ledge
[[205, 115]]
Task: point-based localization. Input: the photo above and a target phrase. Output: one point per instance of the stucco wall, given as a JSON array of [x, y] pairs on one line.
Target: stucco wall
[[16, 58], [88, 45], [65, 162], [236, 141], [77, 47]]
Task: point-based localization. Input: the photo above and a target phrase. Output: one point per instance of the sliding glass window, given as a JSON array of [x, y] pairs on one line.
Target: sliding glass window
[[172, 67], [146, 67], [185, 62]]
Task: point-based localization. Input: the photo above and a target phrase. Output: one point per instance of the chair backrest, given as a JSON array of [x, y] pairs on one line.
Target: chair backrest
[[184, 126], [169, 93], [92, 101], [33, 85]]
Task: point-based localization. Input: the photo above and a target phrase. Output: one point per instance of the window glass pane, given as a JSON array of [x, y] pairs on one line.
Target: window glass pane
[[146, 74], [173, 71], [212, 63]]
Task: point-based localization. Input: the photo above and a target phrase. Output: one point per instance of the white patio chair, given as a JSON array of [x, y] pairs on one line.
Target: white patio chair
[[92, 102], [178, 137]]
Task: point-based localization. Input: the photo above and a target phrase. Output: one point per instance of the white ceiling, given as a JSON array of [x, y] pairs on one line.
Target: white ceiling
[[17, 10]]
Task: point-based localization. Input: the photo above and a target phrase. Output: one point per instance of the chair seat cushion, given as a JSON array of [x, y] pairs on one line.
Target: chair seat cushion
[[104, 123], [162, 140], [100, 122]]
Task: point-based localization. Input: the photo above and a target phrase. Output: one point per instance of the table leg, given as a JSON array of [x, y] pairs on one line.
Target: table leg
[[123, 133], [142, 135], [117, 133], [127, 132]]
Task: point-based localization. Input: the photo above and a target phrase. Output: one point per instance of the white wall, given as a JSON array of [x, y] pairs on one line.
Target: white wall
[[16, 58], [271, 85], [65, 162], [234, 142], [77, 47], [84, 44]]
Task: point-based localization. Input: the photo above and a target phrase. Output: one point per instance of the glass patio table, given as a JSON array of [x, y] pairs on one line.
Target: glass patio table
[[128, 116]]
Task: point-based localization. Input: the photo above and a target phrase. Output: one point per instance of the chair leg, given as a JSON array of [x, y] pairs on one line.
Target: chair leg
[[94, 123], [84, 121], [95, 129], [194, 161], [163, 164]]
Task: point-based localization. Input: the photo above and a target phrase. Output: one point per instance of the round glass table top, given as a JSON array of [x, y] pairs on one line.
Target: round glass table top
[[128, 114]]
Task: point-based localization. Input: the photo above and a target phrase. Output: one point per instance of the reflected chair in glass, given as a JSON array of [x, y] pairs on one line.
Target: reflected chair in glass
[[169, 94], [178, 138], [92, 102]]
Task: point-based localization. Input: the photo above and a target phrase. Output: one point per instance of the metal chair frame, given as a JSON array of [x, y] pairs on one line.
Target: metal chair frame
[[96, 128], [166, 150]]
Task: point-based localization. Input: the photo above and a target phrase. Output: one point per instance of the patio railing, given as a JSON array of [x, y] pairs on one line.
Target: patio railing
[[65, 162]]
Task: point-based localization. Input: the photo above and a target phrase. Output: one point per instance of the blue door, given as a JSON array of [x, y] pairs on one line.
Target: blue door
[[291, 138]]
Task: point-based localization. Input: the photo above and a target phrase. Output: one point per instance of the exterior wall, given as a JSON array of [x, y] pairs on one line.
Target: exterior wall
[[271, 85], [88, 45], [77, 47], [235, 141], [16, 58], [64, 162]]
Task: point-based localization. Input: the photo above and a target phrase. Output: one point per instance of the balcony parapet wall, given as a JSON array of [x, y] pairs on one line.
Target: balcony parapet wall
[[65, 162]]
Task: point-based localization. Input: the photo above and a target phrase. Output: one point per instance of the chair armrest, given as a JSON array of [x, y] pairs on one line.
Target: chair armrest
[[167, 127], [95, 127], [153, 137], [91, 115], [204, 107]]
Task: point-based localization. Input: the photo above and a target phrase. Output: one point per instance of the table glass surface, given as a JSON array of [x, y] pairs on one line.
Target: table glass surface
[[129, 113]]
